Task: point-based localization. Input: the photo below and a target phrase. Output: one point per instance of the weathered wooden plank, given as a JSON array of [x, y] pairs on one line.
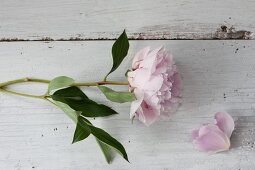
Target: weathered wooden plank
[[150, 19], [216, 77]]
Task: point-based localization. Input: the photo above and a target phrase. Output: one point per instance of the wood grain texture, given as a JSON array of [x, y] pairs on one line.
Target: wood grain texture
[[144, 19], [216, 77]]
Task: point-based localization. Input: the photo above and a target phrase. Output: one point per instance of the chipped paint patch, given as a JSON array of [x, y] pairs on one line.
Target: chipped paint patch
[[230, 33]]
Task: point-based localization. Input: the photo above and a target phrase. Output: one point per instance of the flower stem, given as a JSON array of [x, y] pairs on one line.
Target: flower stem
[[22, 94], [23, 80], [100, 83]]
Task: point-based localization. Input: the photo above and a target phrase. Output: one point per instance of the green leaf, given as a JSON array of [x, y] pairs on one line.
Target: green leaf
[[77, 100], [119, 97], [107, 151], [104, 137], [80, 133], [59, 82], [119, 51], [82, 130], [72, 114], [73, 93]]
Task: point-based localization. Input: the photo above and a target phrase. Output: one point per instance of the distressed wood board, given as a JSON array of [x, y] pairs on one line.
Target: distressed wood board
[[150, 19], [217, 75]]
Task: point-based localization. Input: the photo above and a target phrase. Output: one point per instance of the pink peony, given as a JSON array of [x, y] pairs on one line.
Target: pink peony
[[214, 137], [156, 83]]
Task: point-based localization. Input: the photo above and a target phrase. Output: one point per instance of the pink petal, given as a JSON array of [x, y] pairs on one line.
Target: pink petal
[[211, 139], [140, 77], [154, 84], [170, 106], [225, 122], [136, 104], [139, 57], [163, 62], [151, 60], [177, 85], [149, 113], [151, 98]]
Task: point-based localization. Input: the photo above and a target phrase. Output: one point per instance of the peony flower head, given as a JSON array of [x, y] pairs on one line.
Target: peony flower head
[[155, 80], [214, 137]]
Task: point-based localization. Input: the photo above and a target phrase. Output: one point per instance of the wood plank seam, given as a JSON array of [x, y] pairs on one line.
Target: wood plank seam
[[222, 33]]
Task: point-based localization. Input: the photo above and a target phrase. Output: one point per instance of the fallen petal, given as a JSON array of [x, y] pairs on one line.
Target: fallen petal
[[211, 139], [225, 122]]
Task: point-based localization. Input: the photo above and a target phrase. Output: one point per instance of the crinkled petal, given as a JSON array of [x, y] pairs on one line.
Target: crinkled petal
[[149, 113], [177, 85], [164, 62], [151, 60], [170, 106], [139, 78], [136, 104], [225, 122], [154, 84], [211, 139], [151, 99], [139, 57]]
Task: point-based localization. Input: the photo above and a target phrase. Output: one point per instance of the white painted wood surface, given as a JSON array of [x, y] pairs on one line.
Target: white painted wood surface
[[143, 19], [216, 76]]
